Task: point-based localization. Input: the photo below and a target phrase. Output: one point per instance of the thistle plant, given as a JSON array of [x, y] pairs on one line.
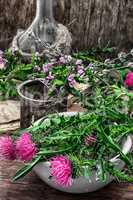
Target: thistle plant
[[86, 142], [61, 139]]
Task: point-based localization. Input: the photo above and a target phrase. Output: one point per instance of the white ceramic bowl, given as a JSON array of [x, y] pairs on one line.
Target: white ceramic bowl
[[81, 184]]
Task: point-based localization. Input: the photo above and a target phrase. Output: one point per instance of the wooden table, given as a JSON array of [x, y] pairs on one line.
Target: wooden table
[[32, 188]]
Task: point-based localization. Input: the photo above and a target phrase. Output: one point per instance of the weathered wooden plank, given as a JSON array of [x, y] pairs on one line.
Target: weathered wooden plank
[[9, 127], [32, 188], [9, 115], [9, 111]]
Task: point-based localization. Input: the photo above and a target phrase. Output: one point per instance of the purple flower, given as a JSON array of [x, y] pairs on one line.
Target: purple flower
[[71, 80], [61, 170], [25, 148], [78, 62], [80, 70], [129, 80], [62, 60], [46, 67], [50, 76], [7, 148]]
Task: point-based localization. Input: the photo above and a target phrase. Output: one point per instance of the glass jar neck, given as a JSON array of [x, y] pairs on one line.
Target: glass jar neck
[[44, 9]]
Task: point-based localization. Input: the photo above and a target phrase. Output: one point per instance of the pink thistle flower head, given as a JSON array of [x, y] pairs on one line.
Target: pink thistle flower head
[[61, 170], [7, 148], [25, 148], [90, 140], [26, 136], [129, 80]]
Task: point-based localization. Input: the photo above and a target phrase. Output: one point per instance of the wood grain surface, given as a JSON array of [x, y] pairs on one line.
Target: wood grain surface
[[32, 188], [91, 22], [9, 115]]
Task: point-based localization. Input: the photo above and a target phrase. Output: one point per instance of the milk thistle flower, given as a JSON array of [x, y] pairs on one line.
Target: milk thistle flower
[[129, 80], [25, 148], [61, 170], [7, 148]]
